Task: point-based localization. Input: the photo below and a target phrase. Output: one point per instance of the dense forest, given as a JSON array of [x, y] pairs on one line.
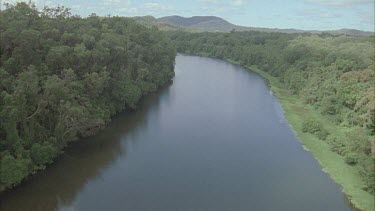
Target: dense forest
[[335, 74], [63, 77]]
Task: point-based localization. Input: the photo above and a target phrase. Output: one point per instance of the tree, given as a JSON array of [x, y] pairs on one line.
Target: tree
[[63, 77]]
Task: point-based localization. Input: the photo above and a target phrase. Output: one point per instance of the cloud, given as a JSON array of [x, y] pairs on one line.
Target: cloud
[[115, 2], [76, 7], [149, 8], [222, 7], [12, 1], [110, 2], [316, 13], [41, 3], [225, 3], [238, 2], [16, 1], [155, 8], [128, 10], [366, 18], [342, 3], [38, 3], [210, 1]]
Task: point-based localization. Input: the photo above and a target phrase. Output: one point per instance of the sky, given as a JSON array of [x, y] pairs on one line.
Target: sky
[[298, 14]]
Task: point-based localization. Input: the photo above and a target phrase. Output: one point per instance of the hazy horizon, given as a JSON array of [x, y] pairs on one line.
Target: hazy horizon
[[297, 14]]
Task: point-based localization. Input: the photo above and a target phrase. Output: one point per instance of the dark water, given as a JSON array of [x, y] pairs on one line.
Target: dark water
[[215, 140]]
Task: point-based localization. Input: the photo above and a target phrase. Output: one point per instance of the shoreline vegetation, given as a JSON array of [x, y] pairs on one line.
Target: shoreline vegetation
[[332, 163]]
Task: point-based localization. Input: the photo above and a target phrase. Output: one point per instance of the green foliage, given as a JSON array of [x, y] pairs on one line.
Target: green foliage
[[63, 77], [357, 141], [366, 166], [313, 126], [336, 145], [351, 158], [42, 154], [355, 146], [13, 170], [322, 134]]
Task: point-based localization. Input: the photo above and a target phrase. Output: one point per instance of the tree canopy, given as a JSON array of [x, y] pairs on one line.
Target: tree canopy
[[63, 77]]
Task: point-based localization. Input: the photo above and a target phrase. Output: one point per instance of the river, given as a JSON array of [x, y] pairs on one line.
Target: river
[[214, 140]]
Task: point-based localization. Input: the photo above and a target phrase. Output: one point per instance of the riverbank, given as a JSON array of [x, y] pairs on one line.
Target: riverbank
[[295, 112], [4, 189]]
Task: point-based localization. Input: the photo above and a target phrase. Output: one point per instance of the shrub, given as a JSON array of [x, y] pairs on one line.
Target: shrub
[[310, 126], [351, 158], [43, 153], [322, 134], [314, 127], [13, 170], [366, 167], [357, 141], [328, 105], [336, 145]]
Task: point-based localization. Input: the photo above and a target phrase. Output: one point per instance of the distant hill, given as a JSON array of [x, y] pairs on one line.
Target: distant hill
[[192, 21], [217, 24], [150, 21], [350, 32], [214, 24]]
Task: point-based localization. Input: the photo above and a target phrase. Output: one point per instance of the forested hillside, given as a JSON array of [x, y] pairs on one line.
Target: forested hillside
[[63, 77], [334, 74]]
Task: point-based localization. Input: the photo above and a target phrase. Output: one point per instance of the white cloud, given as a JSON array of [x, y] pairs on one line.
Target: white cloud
[[327, 15], [222, 7], [38, 3], [342, 3], [76, 7], [238, 2], [12, 1], [128, 10], [109, 2], [155, 8], [116, 2], [15, 1], [224, 3], [367, 18], [210, 1], [316, 13], [50, 4]]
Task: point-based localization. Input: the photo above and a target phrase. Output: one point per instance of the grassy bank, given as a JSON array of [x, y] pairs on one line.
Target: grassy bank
[[332, 163], [295, 111]]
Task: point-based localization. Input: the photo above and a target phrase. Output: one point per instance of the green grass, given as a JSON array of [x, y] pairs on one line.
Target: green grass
[[343, 174]]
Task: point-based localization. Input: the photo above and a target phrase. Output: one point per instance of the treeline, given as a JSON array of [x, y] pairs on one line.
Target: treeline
[[62, 77], [335, 74]]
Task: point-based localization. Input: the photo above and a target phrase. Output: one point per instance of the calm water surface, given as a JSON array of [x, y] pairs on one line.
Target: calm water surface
[[215, 140]]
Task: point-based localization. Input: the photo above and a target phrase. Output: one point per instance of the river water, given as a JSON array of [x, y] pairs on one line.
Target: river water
[[214, 140]]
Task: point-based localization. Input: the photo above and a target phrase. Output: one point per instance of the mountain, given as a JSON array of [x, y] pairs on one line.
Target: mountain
[[150, 21], [187, 22], [350, 32], [214, 24], [217, 24]]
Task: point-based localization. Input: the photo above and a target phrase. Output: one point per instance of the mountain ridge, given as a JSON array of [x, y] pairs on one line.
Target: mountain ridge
[[217, 24]]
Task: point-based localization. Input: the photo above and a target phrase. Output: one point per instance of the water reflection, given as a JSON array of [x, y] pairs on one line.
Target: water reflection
[[84, 160]]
